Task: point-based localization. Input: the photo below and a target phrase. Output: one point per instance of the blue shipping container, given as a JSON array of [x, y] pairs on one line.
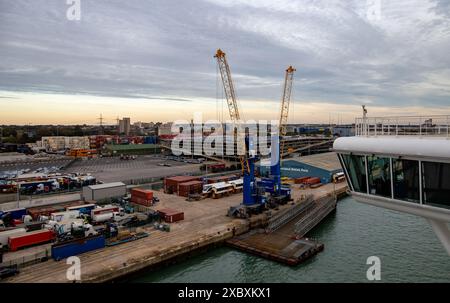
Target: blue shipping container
[[17, 213], [76, 247], [150, 140]]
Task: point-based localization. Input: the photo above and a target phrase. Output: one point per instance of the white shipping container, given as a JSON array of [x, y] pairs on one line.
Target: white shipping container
[[4, 235]]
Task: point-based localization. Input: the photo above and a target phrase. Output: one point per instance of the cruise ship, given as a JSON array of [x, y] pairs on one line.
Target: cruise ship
[[402, 164]]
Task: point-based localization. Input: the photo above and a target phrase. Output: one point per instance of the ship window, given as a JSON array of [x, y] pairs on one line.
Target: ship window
[[436, 184], [356, 168], [406, 180], [379, 176]]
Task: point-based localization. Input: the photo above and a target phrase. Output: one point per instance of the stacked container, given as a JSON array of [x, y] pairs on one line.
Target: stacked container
[[191, 187], [142, 196], [171, 184]]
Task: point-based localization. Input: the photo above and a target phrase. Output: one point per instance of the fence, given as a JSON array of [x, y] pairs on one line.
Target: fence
[[438, 125], [29, 259]]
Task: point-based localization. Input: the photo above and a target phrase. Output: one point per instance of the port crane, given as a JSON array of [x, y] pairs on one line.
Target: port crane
[[253, 196], [254, 192], [279, 192]]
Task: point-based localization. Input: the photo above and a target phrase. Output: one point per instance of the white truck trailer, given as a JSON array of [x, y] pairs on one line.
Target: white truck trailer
[[5, 234]]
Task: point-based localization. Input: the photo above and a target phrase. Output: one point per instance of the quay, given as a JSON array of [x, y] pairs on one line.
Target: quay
[[205, 225]]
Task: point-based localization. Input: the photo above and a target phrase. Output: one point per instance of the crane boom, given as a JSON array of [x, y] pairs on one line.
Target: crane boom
[[228, 86], [233, 108], [288, 80]]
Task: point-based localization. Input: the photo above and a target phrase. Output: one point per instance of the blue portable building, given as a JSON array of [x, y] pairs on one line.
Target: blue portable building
[[323, 166]]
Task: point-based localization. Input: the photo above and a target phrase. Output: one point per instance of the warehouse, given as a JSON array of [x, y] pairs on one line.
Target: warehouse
[[104, 191], [131, 149], [323, 166]]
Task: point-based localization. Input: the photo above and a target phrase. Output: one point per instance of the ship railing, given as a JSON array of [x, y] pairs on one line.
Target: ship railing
[[437, 125]]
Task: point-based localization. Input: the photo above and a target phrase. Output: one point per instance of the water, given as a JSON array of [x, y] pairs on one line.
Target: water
[[408, 249]]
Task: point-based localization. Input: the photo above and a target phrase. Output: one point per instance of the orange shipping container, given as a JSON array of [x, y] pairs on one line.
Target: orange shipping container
[[313, 180], [141, 193]]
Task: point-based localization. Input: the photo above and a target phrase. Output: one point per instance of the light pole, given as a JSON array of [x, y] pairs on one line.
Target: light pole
[[18, 194]]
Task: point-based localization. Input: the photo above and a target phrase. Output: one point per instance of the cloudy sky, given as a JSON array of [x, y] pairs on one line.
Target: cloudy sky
[[153, 60]]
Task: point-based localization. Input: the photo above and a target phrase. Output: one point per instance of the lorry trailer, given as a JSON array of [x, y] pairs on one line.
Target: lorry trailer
[[5, 234], [77, 246], [30, 238]]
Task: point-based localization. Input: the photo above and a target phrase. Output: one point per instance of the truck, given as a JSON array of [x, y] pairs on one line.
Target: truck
[[65, 215], [103, 217], [62, 227], [5, 234], [83, 209], [30, 238]]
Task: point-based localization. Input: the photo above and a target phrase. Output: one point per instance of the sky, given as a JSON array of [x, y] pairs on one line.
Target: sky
[[153, 60]]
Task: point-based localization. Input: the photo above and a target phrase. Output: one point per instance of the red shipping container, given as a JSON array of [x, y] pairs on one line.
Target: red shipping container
[[142, 193], [141, 201], [301, 180], [44, 211], [171, 215], [313, 180], [30, 238], [171, 183], [191, 187]]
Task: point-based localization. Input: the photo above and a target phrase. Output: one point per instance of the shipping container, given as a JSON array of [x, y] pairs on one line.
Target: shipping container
[[30, 238], [171, 183], [36, 212], [301, 180], [77, 246], [142, 201], [104, 210], [142, 193], [17, 214], [313, 180], [171, 215], [104, 191], [191, 187], [83, 209], [5, 234]]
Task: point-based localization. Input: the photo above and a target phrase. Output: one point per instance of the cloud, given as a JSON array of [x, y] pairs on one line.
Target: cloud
[[163, 50]]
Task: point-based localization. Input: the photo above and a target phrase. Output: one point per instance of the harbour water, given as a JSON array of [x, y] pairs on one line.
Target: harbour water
[[408, 249]]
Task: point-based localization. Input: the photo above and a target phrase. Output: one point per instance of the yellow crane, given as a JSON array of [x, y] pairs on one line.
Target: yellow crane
[[285, 101], [233, 108]]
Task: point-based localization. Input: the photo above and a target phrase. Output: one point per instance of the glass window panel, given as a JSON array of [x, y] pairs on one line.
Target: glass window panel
[[356, 168], [406, 180], [436, 184], [379, 176]]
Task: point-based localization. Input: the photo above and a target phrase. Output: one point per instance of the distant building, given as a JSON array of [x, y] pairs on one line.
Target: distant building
[[124, 126], [323, 166], [165, 129], [344, 130]]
